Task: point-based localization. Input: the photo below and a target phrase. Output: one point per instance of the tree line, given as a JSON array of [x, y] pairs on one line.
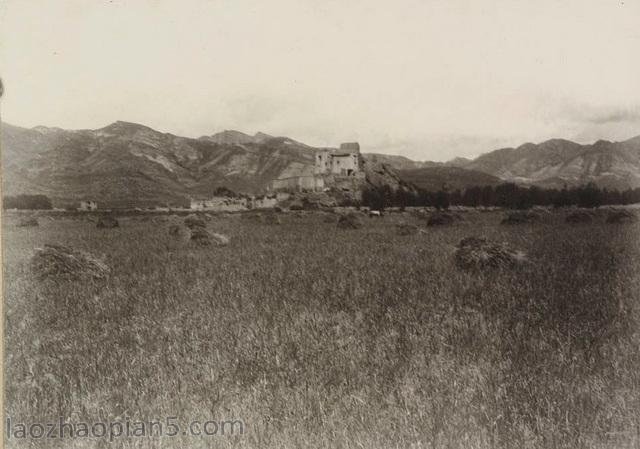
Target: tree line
[[507, 195], [30, 202]]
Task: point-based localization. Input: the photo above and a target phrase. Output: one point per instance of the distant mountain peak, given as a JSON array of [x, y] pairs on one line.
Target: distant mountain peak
[[458, 162], [260, 136], [233, 137], [124, 128], [46, 129]]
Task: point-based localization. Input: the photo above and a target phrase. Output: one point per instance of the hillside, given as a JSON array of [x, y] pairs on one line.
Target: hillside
[[557, 162], [126, 163], [397, 162], [552, 163]]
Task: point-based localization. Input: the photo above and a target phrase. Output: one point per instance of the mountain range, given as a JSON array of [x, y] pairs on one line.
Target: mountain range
[[131, 164]]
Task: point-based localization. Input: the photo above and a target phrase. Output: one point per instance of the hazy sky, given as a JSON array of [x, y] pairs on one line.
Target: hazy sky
[[426, 79]]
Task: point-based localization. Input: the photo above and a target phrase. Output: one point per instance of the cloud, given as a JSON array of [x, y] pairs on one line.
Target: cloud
[[594, 114], [613, 115]]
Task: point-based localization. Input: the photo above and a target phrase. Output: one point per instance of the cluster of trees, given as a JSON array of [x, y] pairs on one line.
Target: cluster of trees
[[506, 195], [26, 202]]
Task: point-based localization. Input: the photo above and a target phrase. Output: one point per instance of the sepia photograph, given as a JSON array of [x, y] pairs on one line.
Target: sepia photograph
[[357, 224]]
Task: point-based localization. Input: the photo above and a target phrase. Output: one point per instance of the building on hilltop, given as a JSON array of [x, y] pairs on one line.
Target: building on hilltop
[[333, 167], [343, 162], [350, 147]]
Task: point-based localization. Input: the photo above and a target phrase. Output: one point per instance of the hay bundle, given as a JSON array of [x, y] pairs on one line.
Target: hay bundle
[[107, 222], [57, 261], [272, 219], [220, 239], [202, 237], [622, 216], [179, 232], [329, 218], [406, 229], [192, 222], [350, 221], [479, 253], [441, 219], [520, 217], [28, 222], [255, 216], [579, 216]]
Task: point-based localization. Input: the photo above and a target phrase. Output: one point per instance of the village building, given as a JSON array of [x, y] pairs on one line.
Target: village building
[[312, 183], [88, 205], [220, 204]]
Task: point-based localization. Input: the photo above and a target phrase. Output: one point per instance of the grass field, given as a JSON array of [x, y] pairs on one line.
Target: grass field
[[319, 337]]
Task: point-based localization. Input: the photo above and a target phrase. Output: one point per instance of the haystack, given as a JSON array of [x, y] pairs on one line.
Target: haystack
[[272, 219], [57, 261], [520, 217], [192, 222], [350, 221], [479, 253], [253, 216], [202, 237], [579, 216], [107, 222], [179, 232], [28, 222], [220, 239], [440, 219], [329, 218], [406, 229], [621, 216]]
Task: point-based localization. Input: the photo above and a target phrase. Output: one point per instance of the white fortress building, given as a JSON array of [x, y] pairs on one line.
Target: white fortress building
[[333, 167], [343, 162]]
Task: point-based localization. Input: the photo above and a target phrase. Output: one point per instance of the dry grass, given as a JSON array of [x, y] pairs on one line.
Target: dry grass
[[324, 339]]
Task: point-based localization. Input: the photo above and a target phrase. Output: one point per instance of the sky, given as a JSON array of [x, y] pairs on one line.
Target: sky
[[427, 79]]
